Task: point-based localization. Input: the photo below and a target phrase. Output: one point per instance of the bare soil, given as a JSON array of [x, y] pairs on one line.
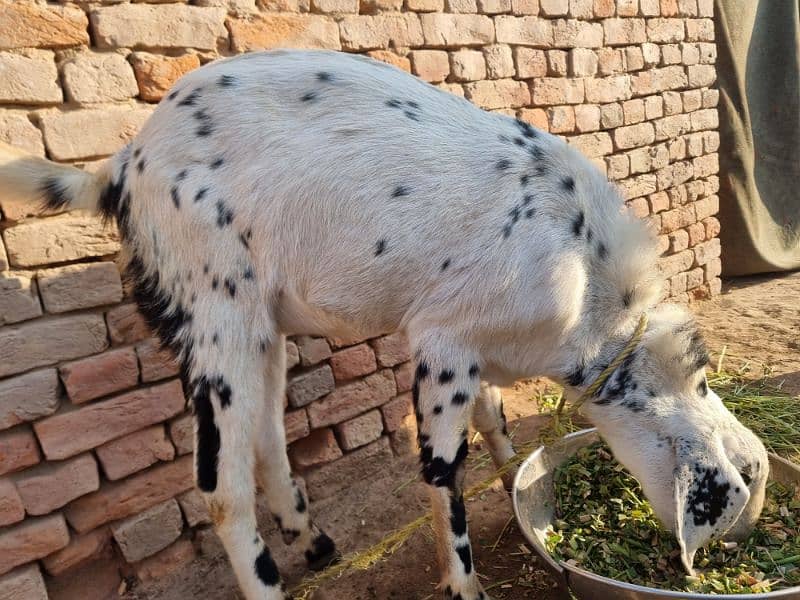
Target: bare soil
[[756, 319]]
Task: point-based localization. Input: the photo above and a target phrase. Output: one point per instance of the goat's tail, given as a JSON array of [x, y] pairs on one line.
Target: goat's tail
[[33, 180]]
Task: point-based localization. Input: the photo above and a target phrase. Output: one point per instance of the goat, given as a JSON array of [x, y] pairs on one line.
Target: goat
[[313, 192]]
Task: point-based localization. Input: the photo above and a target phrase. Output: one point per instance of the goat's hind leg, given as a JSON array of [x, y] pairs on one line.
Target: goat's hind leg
[[285, 499], [227, 387], [489, 419]]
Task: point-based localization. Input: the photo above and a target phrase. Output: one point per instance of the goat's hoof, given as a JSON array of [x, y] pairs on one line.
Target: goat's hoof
[[322, 554], [449, 594]]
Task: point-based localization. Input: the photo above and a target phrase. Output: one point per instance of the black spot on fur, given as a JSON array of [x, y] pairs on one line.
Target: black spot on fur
[[568, 184], [322, 553], [176, 198], [525, 129], [602, 251], [55, 194], [205, 269], [208, 440], [459, 398], [530, 213], [299, 500], [422, 371], [226, 81], [503, 164], [215, 339], [702, 387], [324, 76], [224, 214], [437, 471], [206, 126], [523, 179], [458, 515], [243, 240], [223, 390], [191, 98], [380, 247], [201, 193], [437, 410], [230, 286], [411, 115], [536, 153], [474, 370], [137, 152], [217, 163], [181, 175], [578, 223], [446, 376], [465, 554], [445, 264], [248, 273], [266, 569], [394, 103], [518, 141], [627, 297], [507, 231], [308, 97], [401, 190], [214, 282], [172, 95], [707, 498]]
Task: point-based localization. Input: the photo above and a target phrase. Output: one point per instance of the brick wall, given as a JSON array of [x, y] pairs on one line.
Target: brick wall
[[95, 442]]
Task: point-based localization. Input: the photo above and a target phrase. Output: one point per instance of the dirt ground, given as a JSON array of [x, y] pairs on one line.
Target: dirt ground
[[758, 319]]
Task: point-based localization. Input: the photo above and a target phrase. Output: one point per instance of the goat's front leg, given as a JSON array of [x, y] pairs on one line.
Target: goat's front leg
[[445, 386]]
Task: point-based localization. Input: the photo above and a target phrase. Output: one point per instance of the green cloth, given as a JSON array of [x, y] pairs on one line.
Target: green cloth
[[758, 66]]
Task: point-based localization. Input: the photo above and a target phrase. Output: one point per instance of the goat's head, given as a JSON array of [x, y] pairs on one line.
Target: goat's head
[[703, 472]]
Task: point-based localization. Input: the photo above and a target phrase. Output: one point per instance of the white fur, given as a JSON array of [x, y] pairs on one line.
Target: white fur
[[315, 180]]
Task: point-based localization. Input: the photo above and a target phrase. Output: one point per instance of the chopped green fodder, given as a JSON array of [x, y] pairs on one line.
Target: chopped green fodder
[[605, 526]]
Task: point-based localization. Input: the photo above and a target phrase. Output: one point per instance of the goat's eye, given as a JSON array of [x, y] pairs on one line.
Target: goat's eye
[[702, 387]]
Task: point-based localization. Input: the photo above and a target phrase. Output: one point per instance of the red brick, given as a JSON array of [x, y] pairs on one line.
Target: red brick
[[28, 24], [391, 350], [312, 350], [317, 448], [31, 540], [395, 411], [126, 324], [11, 508], [307, 387], [18, 449], [135, 452], [295, 423], [69, 433], [25, 583], [404, 377], [355, 361], [697, 233], [100, 375], [97, 580], [150, 531], [52, 485], [712, 227], [194, 507], [156, 363], [361, 430], [181, 431], [327, 480], [535, 116], [706, 251], [79, 286], [28, 397], [352, 399], [292, 355], [60, 338], [81, 549], [391, 58], [121, 499], [166, 562]]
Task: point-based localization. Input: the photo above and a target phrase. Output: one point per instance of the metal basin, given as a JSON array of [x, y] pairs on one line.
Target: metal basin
[[534, 505]]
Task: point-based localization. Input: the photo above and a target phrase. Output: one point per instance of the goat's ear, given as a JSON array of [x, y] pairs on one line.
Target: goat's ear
[[709, 497]]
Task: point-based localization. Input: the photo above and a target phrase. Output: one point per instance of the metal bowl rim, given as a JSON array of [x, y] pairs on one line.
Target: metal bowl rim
[[563, 568]]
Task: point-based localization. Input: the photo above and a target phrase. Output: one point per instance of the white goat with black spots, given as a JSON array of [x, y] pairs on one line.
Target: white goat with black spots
[[303, 192]]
